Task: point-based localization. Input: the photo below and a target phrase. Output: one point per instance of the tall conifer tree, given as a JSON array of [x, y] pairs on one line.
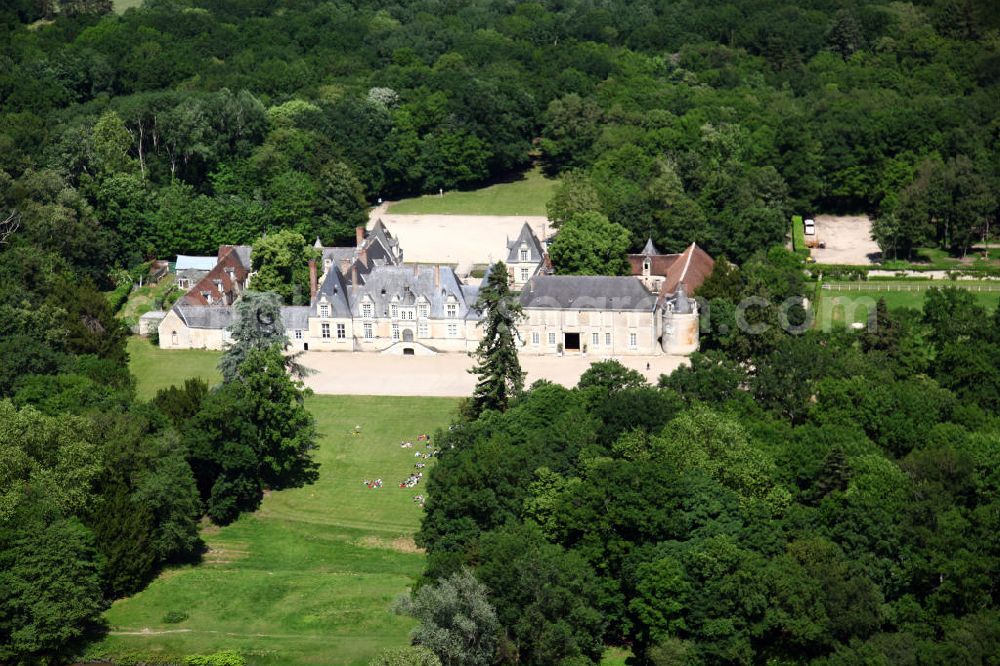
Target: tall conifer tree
[[498, 368]]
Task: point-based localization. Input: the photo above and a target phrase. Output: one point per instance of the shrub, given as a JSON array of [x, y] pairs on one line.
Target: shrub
[[224, 658], [799, 236], [174, 617], [415, 655]]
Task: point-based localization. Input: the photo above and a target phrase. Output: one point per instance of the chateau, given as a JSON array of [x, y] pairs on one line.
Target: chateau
[[366, 299]]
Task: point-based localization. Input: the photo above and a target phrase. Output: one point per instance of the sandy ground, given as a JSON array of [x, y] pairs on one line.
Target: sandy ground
[[447, 374], [462, 240], [848, 240]]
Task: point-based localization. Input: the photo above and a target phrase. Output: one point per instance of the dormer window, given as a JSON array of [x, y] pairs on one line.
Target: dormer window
[[207, 295], [367, 310], [524, 254], [394, 311], [324, 310], [451, 310], [218, 284]]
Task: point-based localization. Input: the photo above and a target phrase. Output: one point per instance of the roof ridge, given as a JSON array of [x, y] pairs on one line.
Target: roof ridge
[[687, 264]]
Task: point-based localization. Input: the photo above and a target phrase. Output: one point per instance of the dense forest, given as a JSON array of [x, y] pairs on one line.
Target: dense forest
[[788, 499], [188, 123], [819, 498]]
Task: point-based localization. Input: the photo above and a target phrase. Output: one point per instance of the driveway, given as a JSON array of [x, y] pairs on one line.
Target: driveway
[[447, 374], [848, 240]]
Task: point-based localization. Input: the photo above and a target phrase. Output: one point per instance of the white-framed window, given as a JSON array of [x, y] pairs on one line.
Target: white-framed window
[[369, 332], [394, 311], [524, 275], [182, 283], [298, 334], [341, 331], [535, 337], [325, 328], [595, 339], [607, 339], [367, 310], [451, 310], [395, 331], [324, 310], [424, 310], [452, 330], [632, 341], [524, 254], [552, 339], [423, 331]]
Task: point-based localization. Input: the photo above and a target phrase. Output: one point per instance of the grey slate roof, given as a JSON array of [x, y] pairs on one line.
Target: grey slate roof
[[295, 317], [335, 288], [218, 318], [649, 249], [243, 253], [471, 295], [205, 316], [336, 255], [585, 292], [528, 238], [682, 304], [383, 284], [379, 231]]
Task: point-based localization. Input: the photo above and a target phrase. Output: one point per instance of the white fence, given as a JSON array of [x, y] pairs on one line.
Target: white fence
[[907, 286]]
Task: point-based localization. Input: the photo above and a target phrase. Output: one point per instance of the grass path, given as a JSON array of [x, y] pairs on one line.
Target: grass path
[[525, 195], [308, 578]]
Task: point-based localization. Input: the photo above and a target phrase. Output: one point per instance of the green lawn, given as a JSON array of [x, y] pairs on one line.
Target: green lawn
[[309, 578], [143, 299], [157, 368], [526, 195], [839, 308]]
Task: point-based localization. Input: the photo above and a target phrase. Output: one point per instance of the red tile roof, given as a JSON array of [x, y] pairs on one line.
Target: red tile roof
[[659, 263], [692, 266], [224, 282]]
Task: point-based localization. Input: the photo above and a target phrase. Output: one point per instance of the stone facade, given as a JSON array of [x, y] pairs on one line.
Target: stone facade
[[608, 316], [526, 258], [365, 299]]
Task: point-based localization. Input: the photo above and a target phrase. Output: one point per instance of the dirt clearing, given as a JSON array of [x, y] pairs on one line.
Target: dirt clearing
[[848, 240]]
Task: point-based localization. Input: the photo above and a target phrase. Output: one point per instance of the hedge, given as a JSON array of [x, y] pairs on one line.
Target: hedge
[[799, 236]]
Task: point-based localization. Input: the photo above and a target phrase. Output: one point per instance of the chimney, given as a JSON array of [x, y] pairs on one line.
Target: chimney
[[363, 256], [359, 236], [437, 276], [313, 286], [354, 278]]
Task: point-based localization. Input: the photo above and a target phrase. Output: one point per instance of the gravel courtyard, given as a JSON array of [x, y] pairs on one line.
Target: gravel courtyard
[[447, 374], [462, 240]]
